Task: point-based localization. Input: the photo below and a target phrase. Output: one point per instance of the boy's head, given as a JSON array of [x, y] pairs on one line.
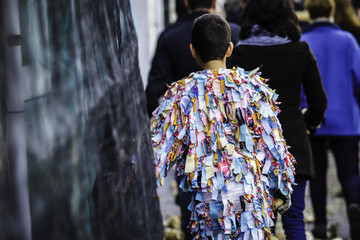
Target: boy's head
[[320, 8], [211, 38]]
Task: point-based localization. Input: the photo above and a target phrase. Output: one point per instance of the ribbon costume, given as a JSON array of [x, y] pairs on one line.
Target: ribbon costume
[[220, 128]]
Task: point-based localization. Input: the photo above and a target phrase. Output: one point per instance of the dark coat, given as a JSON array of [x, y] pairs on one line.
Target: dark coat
[[173, 60], [290, 66]]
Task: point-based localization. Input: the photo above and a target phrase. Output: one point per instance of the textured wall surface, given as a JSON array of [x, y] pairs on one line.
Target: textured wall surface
[[88, 155]]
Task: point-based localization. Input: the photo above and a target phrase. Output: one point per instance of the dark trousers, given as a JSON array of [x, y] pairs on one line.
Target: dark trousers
[[346, 153], [293, 219]]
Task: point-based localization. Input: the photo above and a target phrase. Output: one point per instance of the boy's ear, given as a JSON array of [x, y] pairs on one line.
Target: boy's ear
[[193, 51], [230, 49]]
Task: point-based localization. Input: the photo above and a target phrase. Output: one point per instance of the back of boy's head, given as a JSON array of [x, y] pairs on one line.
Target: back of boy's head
[[210, 37], [194, 4], [320, 8]]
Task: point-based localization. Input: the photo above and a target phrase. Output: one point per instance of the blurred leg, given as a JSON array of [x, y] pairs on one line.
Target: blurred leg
[[346, 152], [318, 184], [293, 219]]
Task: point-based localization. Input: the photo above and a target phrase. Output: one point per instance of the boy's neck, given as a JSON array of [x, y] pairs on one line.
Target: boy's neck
[[214, 64]]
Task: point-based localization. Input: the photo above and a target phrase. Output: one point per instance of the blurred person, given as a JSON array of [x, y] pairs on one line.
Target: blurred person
[[356, 5], [233, 10], [338, 56], [172, 59], [346, 18], [181, 10], [299, 5], [302, 14], [269, 37], [181, 14], [221, 128]]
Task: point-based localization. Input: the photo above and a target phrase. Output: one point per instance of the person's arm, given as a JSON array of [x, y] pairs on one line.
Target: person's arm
[[159, 76], [316, 98], [168, 133], [279, 164], [355, 69]]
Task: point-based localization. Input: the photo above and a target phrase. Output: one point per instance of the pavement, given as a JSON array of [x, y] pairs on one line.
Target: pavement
[[337, 219]]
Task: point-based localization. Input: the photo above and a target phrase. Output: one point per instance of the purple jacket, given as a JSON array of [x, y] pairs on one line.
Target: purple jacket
[[338, 57]]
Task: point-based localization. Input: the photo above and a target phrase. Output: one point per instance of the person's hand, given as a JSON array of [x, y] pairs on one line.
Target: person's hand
[[311, 130], [286, 204], [281, 203]]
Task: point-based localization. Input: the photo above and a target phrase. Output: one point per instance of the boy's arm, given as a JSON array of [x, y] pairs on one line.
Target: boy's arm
[[278, 165], [168, 132], [282, 174]]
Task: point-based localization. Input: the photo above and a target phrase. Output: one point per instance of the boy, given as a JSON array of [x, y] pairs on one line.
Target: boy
[[220, 127]]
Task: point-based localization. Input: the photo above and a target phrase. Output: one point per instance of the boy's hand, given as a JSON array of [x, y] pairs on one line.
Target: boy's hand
[[281, 203], [286, 204]]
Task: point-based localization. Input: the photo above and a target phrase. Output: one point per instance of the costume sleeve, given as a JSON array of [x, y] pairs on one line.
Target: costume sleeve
[[275, 161], [160, 74], [316, 98], [168, 131]]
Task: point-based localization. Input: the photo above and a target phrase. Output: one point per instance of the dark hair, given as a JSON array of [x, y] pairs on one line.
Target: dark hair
[[320, 8], [345, 15], [277, 17], [210, 37], [193, 4]]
